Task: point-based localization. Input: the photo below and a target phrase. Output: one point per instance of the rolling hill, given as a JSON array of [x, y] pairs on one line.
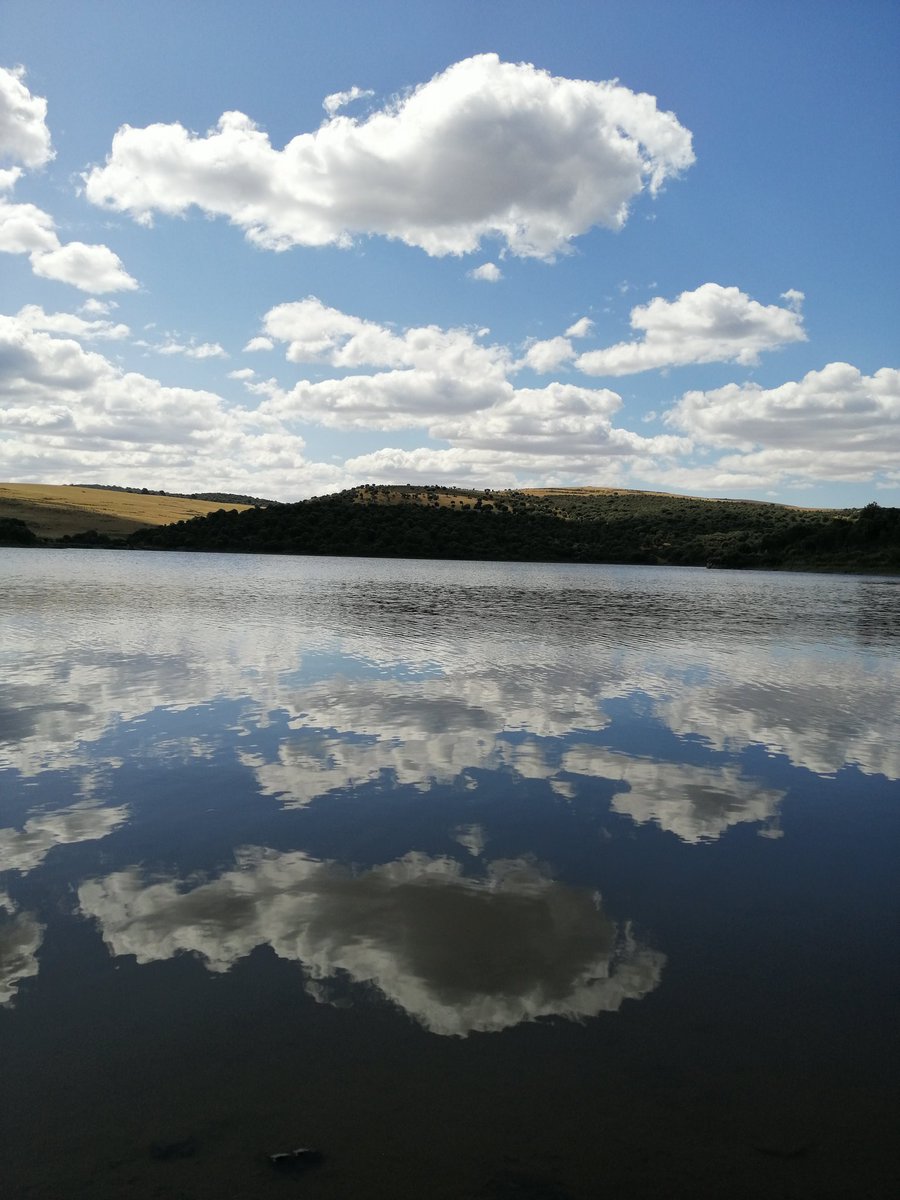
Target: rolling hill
[[55, 511], [590, 524], [551, 525]]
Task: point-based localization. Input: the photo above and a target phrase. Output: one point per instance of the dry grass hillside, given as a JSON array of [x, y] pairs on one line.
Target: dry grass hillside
[[54, 511]]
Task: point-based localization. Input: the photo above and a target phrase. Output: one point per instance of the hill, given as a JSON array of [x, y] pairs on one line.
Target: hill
[[55, 511], [551, 525]]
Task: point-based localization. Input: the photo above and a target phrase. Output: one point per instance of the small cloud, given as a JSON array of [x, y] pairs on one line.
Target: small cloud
[[259, 343], [242, 373], [338, 100], [487, 273], [794, 298], [9, 178], [90, 268], [98, 308], [581, 328], [548, 355], [191, 350]]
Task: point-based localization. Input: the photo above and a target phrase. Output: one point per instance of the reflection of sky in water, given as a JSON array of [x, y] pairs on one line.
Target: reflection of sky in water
[[158, 707], [20, 939], [458, 953]]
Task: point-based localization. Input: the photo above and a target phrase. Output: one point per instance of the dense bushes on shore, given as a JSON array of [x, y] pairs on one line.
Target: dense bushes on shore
[[572, 527]]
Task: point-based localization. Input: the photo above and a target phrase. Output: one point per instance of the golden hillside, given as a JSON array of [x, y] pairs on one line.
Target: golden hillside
[[53, 510]]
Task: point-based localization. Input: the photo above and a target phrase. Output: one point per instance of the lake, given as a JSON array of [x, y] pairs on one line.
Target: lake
[[483, 881]]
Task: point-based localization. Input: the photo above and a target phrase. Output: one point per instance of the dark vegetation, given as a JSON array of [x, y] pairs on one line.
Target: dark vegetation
[[14, 532], [559, 526], [212, 497]]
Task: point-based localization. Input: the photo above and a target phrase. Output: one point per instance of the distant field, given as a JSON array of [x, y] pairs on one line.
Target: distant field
[[53, 510], [553, 492], [598, 491]]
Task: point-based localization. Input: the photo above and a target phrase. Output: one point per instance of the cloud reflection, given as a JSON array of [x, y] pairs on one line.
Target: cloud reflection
[[695, 803], [818, 722], [430, 678], [24, 849], [458, 953], [21, 935]]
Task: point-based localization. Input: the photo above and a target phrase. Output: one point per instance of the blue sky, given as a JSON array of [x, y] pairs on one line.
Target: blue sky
[[640, 244]]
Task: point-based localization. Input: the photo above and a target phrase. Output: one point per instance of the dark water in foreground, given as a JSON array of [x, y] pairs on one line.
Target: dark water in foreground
[[501, 882]]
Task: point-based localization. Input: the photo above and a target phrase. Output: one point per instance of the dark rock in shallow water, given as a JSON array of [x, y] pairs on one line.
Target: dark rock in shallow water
[[291, 1160]]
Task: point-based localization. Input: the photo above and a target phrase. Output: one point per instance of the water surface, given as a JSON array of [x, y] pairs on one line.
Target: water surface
[[485, 880]]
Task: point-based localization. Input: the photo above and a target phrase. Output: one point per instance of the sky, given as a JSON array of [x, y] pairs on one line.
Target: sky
[[287, 248]]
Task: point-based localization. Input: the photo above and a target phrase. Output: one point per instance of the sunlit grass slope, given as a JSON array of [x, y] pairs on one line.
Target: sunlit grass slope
[[54, 511]]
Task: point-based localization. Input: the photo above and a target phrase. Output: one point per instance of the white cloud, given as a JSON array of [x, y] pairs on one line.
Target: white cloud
[[711, 324], [794, 298], [242, 373], [26, 229], [550, 420], [548, 355], [192, 349], [66, 411], [24, 136], [90, 268], [259, 343], [833, 424], [837, 407], [34, 317], [9, 178], [485, 149], [458, 953], [581, 328], [498, 467], [450, 383], [432, 372], [403, 399], [98, 308], [314, 332], [487, 273], [338, 100]]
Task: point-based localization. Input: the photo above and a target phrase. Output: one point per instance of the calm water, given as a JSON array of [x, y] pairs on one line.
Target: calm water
[[486, 881]]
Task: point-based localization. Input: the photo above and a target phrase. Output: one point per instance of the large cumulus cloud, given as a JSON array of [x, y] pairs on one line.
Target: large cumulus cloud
[[835, 423], [450, 382], [710, 324], [484, 149]]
